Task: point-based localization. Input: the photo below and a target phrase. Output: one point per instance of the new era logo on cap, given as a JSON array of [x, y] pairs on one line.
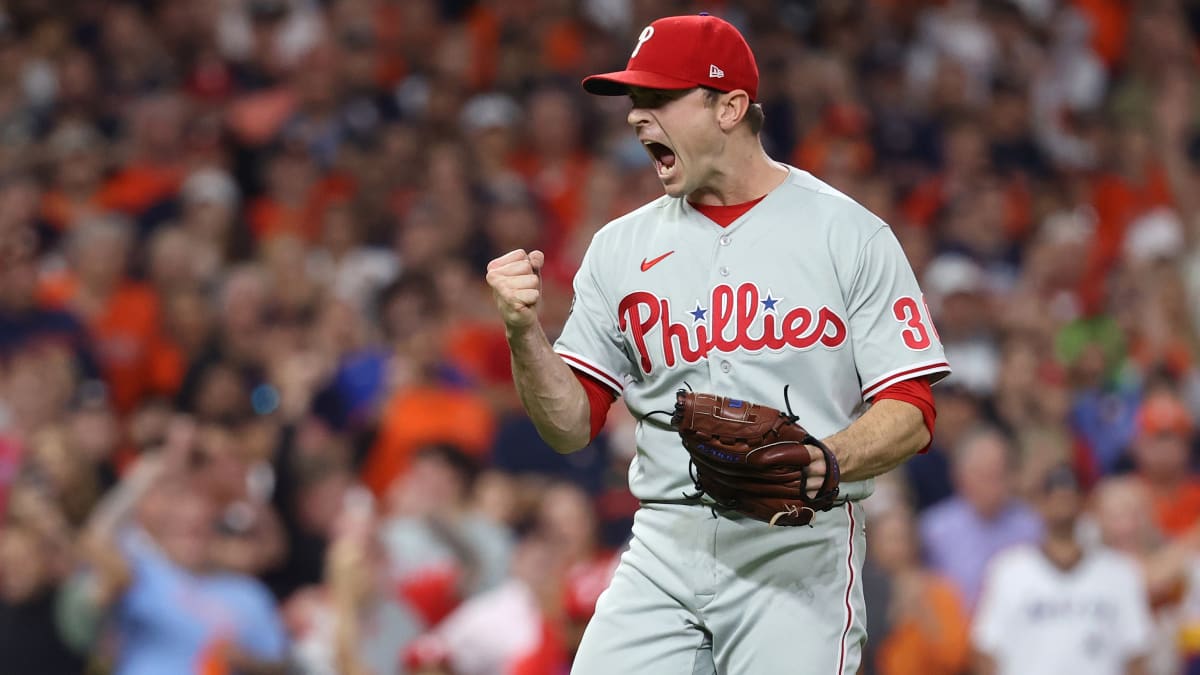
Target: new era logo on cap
[[672, 53]]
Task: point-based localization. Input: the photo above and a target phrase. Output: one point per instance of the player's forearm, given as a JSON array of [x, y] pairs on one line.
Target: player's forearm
[[552, 397], [888, 433]]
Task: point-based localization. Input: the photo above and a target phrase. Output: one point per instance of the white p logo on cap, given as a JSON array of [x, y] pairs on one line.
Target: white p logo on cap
[[647, 33]]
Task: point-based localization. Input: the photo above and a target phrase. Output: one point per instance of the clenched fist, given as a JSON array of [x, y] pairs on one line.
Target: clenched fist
[[516, 282]]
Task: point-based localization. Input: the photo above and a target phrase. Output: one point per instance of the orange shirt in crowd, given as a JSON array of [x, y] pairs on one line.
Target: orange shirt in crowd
[[558, 187], [139, 186], [1177, 512], [1118, 202], [562, 46], [1108, 25], [483, 30], [268, 217], [840, 135], [910, 649], [421, 415], [62, 213], [928, 198], [480, 350], [134, 356]]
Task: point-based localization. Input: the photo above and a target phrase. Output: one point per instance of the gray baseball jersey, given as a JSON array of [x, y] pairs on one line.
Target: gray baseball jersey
[[807, 288]]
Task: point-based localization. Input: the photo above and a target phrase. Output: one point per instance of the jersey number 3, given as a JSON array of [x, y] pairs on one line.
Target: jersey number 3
[[916, 332]]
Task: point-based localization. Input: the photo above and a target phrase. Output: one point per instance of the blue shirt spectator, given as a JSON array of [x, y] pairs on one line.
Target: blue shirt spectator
[[154, 574], [171, 620], [961, 534]]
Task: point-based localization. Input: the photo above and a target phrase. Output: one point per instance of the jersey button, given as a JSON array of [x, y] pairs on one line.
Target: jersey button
[[725, 240], [724, 271], [725, 367]]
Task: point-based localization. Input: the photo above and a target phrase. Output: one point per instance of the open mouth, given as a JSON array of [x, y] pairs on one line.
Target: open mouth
[[663, 156]]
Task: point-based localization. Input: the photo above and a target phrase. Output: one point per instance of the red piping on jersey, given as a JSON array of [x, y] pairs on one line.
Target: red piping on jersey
[[725, 214], [904, 375], [849, 586], [576, 362]]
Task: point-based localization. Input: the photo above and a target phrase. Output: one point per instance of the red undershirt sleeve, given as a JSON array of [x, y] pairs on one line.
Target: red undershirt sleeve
[[916, 391], [600, 399]]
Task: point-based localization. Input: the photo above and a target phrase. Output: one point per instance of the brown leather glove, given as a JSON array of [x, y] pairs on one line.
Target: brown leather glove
[[752, 458]]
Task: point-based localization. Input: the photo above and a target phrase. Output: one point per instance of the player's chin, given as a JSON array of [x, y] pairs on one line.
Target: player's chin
[[674, 185]]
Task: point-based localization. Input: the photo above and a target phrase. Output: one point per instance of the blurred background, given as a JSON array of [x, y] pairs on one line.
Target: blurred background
[[255, 404]]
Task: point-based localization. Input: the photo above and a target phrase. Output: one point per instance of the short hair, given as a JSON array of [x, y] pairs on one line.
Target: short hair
[[101, 226], [967, 444], [243, 274], [755, 117], [462, 464]]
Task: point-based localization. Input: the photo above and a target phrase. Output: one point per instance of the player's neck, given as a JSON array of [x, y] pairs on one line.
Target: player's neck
[[1062, 550], [747, 175]]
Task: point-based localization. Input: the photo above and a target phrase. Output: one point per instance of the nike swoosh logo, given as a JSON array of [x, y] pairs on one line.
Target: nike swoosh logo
[[647, 264]]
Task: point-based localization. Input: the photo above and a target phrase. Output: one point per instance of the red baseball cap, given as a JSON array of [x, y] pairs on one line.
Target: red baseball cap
[[681, 52], [1164, 413]]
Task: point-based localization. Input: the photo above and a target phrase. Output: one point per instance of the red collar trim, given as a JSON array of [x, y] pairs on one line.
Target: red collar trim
[[724, 214]]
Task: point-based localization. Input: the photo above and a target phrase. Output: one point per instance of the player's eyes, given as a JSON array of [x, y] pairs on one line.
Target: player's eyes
[[646, 100], [655, 99]]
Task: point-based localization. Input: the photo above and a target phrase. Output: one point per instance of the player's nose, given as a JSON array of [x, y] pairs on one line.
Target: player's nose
[[637, 117]]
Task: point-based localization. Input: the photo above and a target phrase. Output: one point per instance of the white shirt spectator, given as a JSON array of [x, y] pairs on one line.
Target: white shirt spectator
[[487, 634], [1036, 618], [357, 276]]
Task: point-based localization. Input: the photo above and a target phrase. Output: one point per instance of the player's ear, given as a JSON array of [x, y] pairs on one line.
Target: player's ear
[[731, 108]]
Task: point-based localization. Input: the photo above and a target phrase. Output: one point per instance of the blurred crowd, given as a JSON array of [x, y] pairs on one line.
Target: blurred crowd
[[256, 413]]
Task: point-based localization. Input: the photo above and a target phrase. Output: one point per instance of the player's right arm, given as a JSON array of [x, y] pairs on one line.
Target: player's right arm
[[552, 396]]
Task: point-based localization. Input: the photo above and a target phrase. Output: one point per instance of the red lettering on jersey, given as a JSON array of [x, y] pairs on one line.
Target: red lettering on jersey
[[679, 333], [730, 311], [906, 311], [796, 328], [722, 311], [630, 314], [831, 320]]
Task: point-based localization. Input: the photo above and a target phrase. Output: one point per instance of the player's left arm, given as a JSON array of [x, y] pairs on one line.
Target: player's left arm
[[888, 433]]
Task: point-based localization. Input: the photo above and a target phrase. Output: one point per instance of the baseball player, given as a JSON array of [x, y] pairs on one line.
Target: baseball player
[[745, 277]]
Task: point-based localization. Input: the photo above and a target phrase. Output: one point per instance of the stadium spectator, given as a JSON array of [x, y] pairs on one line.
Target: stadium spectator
[[1053, 605], [514, 628], [29, 637], [1162, 455], [924, 623], [149, 546], [438, 551], [1167, 565], [355, 622], [961, 534]]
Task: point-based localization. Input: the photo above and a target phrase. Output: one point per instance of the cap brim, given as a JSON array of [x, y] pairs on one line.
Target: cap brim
[[618, 83]]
